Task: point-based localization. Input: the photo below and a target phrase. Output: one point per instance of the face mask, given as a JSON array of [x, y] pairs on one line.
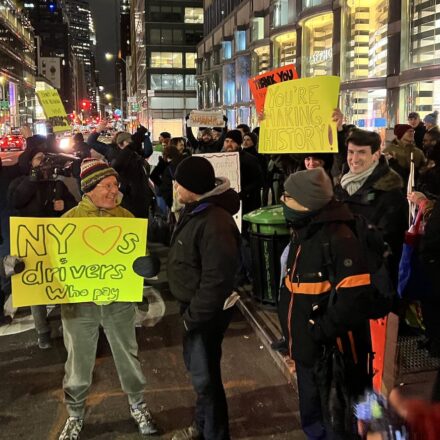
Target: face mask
[[296, 218]]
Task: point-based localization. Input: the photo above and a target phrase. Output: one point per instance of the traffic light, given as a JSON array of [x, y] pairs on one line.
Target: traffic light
[[85, 104]]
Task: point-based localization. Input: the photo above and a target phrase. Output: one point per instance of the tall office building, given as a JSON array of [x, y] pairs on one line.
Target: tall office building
[[81, 30], [55, 60], [17, 67], [164, 39]]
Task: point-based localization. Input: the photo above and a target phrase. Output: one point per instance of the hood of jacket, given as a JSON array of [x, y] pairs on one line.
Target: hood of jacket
[[222, 196]]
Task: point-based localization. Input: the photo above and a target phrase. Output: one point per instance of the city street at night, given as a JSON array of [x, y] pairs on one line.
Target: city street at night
[[220, 219]]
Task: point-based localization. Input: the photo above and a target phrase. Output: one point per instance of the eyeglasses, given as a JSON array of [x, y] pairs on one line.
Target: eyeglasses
[[109, 186]]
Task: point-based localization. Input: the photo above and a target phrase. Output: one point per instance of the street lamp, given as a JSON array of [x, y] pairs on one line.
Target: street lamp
[[108, 97], [109, 57]]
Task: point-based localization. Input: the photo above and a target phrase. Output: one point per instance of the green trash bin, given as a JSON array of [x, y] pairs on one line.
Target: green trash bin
[[269, 235]]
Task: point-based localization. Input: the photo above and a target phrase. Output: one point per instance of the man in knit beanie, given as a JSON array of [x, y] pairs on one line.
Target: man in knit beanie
[[81, 321], [324, 256], [202, 262]]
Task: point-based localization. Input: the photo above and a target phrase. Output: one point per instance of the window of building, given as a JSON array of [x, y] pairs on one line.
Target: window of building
[[168, 14], [284, 49], [242, 74], [190, 82], [279, 13], [364, 39], [216, 89], [317, 54], [166, 36], [260, 60], [193, 36], [227, 50], [229, 84], [257, 29], [240, 41], [422, 97], [200, 97], [421, 40], [166, 59], [194, 15], [366, 108], [190, 60], [166, 81]]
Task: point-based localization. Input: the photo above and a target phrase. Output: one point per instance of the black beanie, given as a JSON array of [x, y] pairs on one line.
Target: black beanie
[[235, 135], [196, 174]]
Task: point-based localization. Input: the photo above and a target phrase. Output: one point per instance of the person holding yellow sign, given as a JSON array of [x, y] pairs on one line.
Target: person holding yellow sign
[[81, 321]]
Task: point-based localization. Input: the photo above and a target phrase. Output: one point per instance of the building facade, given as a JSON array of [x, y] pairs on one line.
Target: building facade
[[163, 61], [387, 53], [17, 68]]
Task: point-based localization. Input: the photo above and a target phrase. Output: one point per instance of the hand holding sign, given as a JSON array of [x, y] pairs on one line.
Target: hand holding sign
[[298, 117]]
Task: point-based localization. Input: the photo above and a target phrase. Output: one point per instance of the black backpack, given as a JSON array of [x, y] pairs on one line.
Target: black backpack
[[376, 252]]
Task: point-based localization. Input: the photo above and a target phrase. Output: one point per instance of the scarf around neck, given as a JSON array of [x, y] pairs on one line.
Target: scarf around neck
[[351, 182]]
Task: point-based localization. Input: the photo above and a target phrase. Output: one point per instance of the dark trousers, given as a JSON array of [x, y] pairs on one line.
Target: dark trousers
[[202, 352], [312, 420]]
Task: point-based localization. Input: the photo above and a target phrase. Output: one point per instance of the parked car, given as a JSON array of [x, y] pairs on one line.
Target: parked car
[[12, 142]]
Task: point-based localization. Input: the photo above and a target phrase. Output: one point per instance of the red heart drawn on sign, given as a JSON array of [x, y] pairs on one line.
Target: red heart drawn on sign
[[101, 240]]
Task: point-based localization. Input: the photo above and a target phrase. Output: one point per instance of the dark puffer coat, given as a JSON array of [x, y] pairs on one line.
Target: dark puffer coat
[[382, 202], [204, 254], [307, 284]]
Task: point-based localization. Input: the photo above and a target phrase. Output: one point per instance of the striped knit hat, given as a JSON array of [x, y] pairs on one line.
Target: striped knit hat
[[92, 172]]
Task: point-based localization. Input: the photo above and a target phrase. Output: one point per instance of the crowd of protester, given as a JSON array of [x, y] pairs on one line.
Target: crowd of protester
[[322, 194]]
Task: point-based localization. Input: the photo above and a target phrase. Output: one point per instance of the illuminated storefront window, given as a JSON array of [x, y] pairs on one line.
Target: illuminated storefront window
[[310, 3], [227, 49], [421, 41], [284, 49], [317, 45], [166, 59], [366, 108], [216, 89], [364, 39], [260, 60], [422, 97]]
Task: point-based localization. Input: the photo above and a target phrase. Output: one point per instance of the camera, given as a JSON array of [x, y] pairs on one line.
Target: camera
[[52, 166]]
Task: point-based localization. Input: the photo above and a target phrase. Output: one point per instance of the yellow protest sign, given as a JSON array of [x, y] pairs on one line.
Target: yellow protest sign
[[297, 117], [54, 110], [72, 260]]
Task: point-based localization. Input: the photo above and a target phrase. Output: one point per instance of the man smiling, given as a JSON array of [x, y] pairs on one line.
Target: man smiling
[[372, 189], [81, 321]]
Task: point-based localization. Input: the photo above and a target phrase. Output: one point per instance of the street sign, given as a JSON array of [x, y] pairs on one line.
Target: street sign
[[4, 105]]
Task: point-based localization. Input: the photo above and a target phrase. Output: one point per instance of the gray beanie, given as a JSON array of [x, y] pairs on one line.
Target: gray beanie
[[310, 188]]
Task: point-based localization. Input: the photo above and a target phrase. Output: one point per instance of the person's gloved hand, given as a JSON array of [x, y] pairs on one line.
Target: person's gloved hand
[[11, 265]]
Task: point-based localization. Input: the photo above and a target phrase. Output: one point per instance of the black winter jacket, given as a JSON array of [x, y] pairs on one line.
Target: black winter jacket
[[307, 283], [251, 181], [35, 198], [133, 176], [430, 247], [200, 147], [382, 202], [204, 254]]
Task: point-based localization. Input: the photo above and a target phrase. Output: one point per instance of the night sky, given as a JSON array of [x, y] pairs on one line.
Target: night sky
[[106, 17]]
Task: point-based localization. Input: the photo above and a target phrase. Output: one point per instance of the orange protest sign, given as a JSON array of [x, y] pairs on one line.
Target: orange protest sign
[[259, 84]]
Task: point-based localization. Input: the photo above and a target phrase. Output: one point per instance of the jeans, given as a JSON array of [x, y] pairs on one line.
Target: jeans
[[202, 352], [39, 314], [81, 324]]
